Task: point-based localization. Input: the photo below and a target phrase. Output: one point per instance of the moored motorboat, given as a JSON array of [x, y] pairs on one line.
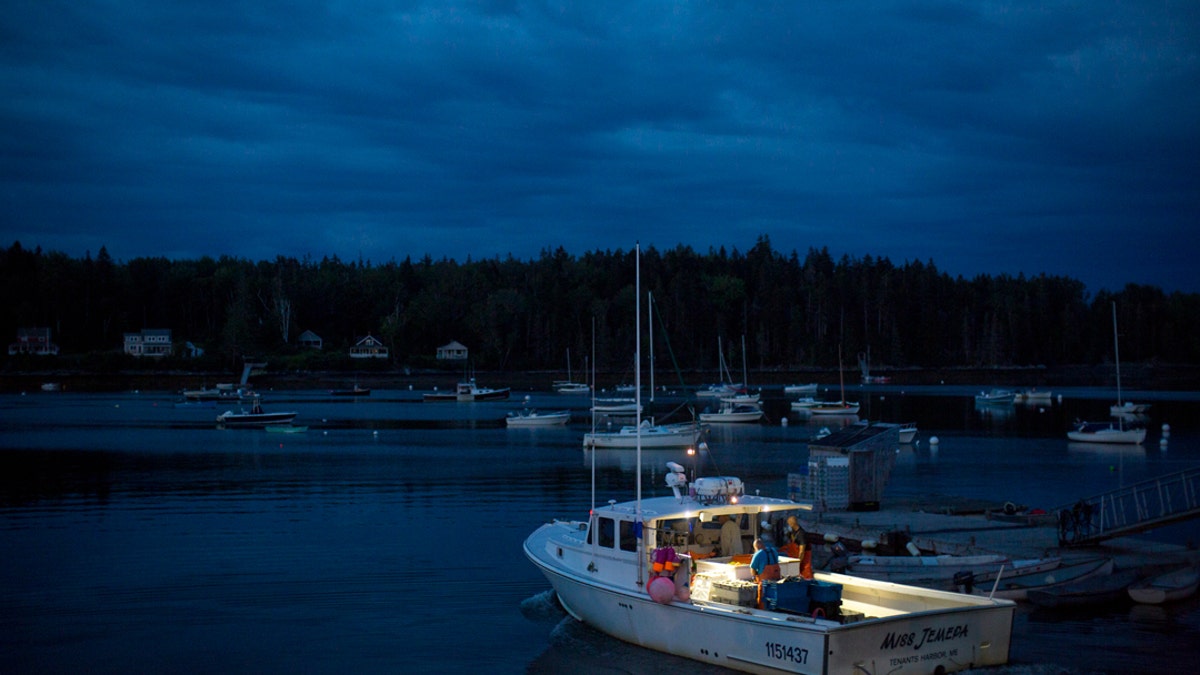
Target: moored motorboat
[[467, 392], [735, 410], [533, 418], [255, 417], [1033, 397], [1168, 586], [800, 389], [353, 391], [995, 397]]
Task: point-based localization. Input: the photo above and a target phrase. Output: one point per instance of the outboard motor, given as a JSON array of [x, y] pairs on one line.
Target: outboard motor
[[965, 580]]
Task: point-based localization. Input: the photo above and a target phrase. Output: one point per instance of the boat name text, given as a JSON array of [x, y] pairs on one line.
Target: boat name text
[[788, 653], [923, 637]]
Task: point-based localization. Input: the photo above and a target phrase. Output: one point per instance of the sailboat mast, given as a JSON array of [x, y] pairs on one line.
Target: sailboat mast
[[841, 375], [650, 316], [745, 373], [593, 392], [637, 383], [1116, 351]]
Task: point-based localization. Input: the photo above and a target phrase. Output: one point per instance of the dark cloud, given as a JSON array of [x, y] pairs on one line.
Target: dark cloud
[[995, 138]]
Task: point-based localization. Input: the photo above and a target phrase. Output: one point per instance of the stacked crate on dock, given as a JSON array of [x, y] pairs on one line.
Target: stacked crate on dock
[[826, 485]]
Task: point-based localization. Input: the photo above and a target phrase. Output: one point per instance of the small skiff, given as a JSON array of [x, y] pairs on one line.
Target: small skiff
[[1169, 586], [1018, 586]]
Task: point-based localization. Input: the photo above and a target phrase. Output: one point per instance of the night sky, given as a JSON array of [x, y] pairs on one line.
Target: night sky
[[987, 137]]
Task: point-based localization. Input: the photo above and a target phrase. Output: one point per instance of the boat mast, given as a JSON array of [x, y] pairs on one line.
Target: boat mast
[[593, 509], [745, 373], [1116, 352], [637, 386], [650, 314], [841, 376]]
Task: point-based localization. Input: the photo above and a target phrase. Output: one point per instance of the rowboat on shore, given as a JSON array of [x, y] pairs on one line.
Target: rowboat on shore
[[1101, 589], [1169, 586], [1018, 586], [945, 572]]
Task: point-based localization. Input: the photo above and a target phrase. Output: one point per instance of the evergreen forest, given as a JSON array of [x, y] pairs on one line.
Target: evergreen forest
[[792, 312]]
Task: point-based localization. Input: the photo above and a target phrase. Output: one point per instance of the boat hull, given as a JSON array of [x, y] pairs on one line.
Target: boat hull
[[1103, 589], [538, 419], [1108, 434], [1168, 587], [833, 409], [253, 420], [484, 395], [1018, 586], [751, 416], [652, 437], [955, 636]]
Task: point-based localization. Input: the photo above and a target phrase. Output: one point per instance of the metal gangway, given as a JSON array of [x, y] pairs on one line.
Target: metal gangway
[[1131, 509]]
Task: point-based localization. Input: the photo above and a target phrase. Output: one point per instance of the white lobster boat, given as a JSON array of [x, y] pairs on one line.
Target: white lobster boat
[[602, 570]]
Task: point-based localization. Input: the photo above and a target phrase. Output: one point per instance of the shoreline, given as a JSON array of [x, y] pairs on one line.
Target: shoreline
[[1149, 376]]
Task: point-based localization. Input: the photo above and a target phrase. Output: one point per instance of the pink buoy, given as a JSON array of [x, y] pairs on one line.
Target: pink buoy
[[661, 590]]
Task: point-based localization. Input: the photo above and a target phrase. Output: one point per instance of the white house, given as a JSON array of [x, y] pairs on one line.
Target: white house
[[455, 351], [154, 342], [368, 347]]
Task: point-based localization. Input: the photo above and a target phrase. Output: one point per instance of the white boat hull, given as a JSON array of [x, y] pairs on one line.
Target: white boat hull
[[833, 409], [538, 419], [732, 416], [651, 437], [1110, 434], [1168, 587], [944, 629]]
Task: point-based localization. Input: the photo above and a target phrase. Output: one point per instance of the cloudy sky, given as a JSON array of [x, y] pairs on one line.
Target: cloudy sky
[[989, 137]]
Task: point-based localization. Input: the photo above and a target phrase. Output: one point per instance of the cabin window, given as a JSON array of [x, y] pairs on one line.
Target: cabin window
[[605, 532], [628, 539]]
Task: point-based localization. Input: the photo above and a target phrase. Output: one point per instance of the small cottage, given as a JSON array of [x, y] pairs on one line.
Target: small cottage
[[454, 351], [310, 340], [368, 347]]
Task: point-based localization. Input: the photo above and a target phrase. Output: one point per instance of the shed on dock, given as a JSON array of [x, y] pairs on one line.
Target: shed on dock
[[848, 469]]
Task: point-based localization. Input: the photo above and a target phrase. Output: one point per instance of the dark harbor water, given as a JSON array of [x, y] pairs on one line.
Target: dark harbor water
[[138, 537]]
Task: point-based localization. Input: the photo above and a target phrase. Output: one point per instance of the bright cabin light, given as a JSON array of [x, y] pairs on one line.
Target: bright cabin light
[[691, 451]]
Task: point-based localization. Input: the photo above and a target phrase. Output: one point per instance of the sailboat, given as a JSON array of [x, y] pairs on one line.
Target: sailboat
[[569, 385], [842, 407], [643, 433], [727, 387], [627, 570], [1112, 431]]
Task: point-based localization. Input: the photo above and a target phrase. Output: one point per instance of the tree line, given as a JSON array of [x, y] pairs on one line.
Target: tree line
[[512, 314]]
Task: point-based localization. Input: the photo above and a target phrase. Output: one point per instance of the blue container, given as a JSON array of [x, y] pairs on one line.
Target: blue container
[[786, 596], [823, 591]]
